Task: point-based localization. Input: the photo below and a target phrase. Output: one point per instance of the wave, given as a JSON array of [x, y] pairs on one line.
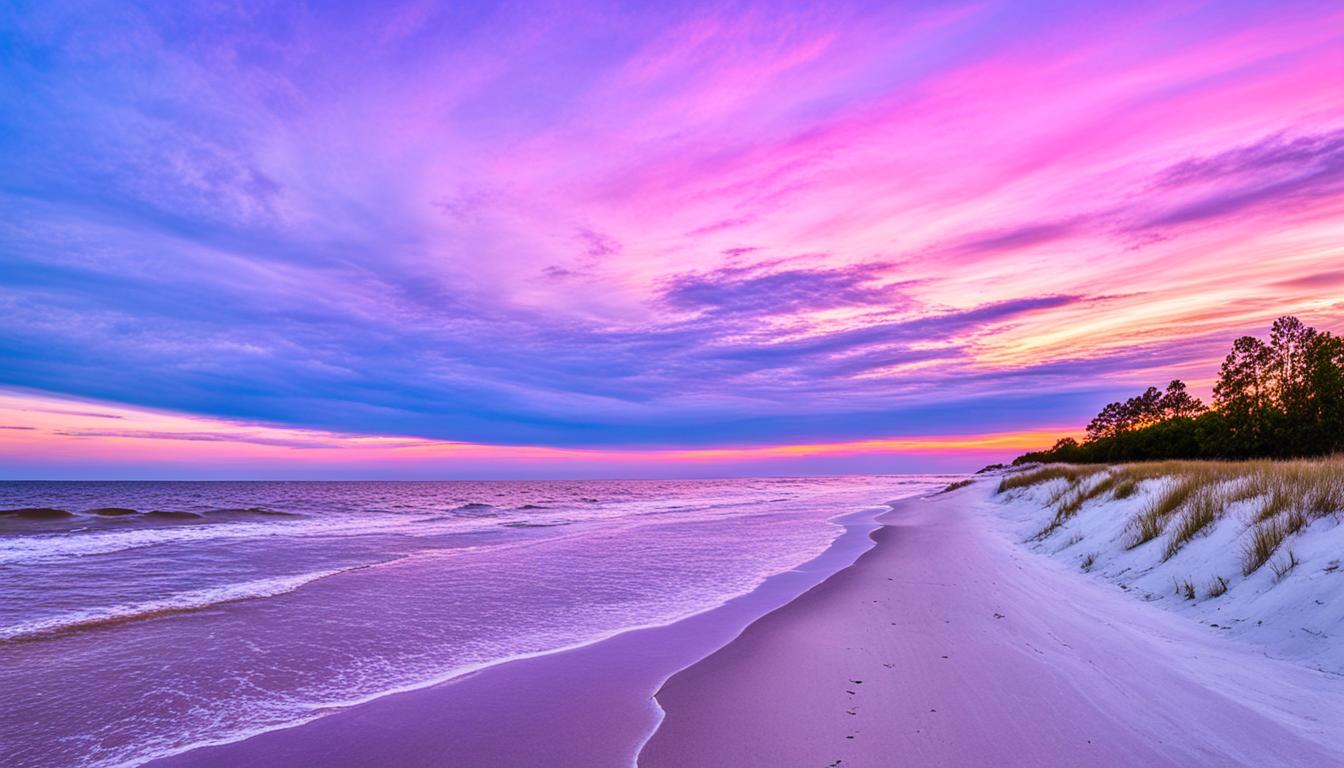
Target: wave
[[61, 520], [535, 524], [59, 546], [36, 513], [164, 514], [856, 523], [476, 509], [183, 602]]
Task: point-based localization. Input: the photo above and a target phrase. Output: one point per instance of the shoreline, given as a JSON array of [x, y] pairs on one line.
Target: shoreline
[[474, 715], [947, 643]]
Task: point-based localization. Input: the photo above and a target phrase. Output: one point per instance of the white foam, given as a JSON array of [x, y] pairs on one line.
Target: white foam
[[181, 602], [57, 546]]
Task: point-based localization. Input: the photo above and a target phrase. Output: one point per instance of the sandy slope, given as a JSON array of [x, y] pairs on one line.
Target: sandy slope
[[1298, 616], [949, 645]]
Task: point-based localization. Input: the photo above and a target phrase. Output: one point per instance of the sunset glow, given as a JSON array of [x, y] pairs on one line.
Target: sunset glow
[[509, 241]]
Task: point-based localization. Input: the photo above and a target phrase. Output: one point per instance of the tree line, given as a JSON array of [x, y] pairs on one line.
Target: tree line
[[1278, 399]]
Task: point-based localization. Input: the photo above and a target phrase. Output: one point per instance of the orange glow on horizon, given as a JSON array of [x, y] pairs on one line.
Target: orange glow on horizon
[[36, 426]]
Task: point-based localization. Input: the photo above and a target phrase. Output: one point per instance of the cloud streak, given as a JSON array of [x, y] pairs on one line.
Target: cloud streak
[[670, 228]]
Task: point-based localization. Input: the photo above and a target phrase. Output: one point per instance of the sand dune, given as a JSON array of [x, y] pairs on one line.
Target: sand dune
[[948, 644]]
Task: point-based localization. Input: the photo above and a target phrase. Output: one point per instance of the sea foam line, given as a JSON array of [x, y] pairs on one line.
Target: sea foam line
[[58, 546], [182, 602]]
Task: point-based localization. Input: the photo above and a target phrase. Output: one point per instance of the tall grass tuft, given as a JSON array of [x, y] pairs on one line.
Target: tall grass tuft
[[1217, 587], [1283, 567], [1075, 502], [1266, 536], [1200, 512], [1276, 499], [1325, 496], [1125, 488], [1186, 589], [1071, 499], [1153, 521]]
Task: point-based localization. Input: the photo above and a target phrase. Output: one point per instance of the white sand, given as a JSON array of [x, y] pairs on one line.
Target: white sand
[[1299, 617], [973, 651]]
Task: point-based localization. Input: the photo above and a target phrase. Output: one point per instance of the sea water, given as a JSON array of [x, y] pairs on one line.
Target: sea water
[[140, 619]]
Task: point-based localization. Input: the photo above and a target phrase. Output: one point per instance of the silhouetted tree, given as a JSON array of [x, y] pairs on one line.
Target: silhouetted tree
[[1281, 398], [1243, 395], [1178, 403]]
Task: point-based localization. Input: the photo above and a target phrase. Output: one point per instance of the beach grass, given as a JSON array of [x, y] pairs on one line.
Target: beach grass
[[1217, 587], [1283, 567], [958, 485], [1152, 522], [1125, 487], [1277, 499], [1201, 509], [1069, 472]]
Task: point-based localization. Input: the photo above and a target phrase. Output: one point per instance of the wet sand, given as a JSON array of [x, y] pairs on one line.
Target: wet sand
[[948, 645]]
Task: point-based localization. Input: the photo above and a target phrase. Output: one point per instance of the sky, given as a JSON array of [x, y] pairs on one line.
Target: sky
[[447, 240]]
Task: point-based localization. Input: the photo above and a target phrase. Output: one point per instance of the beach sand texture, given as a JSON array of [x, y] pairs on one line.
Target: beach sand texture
[[949, 645]]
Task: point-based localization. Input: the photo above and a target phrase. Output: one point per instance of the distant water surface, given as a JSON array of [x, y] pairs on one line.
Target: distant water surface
[[140, 619]]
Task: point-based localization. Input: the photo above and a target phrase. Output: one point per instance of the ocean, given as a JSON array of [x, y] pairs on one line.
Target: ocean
[[141, 619]]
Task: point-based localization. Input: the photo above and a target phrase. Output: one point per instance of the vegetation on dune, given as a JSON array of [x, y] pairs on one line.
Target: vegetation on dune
[[1278, 399], [1217, 587], [1125, 488], [1279, 498], [1201, 511], [957, 485], [1044, 474]]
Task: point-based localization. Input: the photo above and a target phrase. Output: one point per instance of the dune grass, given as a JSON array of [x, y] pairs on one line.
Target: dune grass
[[958, 485], [1125, 487], [1217, 587], [1069, 472], [1279, 499], [1152, 522], [1186, 588], [1282, 568], [1080, 497], [1201, 509], [1267, 535], [1071, 498]]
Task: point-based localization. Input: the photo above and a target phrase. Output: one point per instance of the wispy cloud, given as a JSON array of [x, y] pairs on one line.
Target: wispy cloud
[[677, 226]]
